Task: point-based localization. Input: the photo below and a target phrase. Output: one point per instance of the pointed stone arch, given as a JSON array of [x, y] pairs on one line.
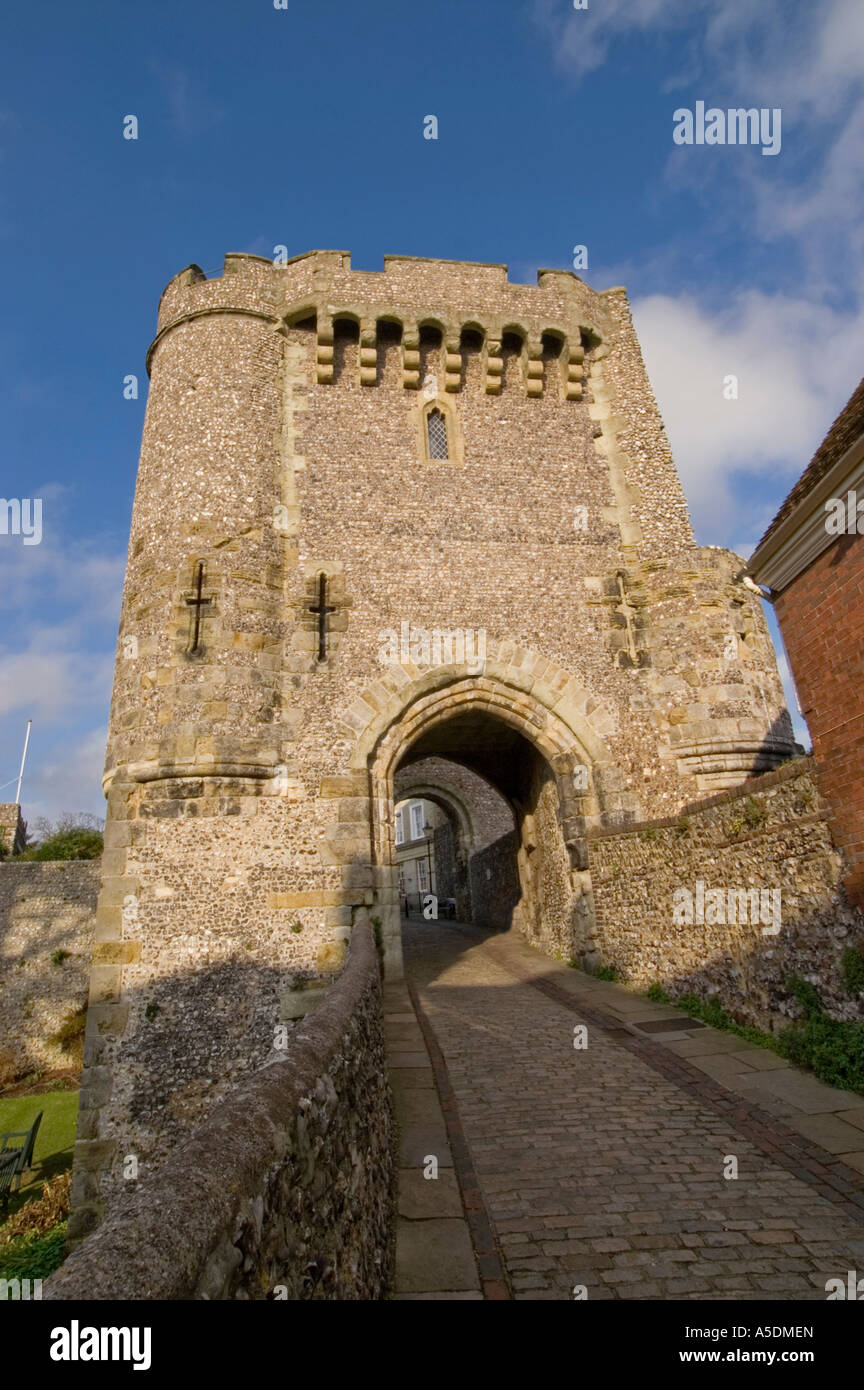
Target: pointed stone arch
[[443, 797], [564, 723], [540, 692]]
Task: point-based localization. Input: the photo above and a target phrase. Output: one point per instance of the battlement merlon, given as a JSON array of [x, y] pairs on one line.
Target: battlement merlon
[[412, 290]]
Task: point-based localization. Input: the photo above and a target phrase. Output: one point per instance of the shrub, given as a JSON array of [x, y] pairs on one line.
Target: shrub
[[72, 836], [834, 1050], [33, 1256], [806, 994], [852, 967], [657, 994], [78, 842], [607, 972], [831, 1048], [755, 812]]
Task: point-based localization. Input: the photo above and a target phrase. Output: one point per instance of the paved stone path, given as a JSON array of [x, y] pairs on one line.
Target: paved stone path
[[603, 1168]]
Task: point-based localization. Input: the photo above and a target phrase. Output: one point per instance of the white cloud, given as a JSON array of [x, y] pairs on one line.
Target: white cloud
[[77, 576], [789, 51], [53, 685], [67, 779], [796, 362], [582, 38], [807, 59], [59, 607]]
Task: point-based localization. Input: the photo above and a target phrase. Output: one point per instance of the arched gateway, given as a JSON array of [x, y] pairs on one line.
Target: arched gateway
[[413, 515], [531, 739]]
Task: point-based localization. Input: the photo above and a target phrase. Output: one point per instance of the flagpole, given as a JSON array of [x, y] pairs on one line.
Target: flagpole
[[23, 759]]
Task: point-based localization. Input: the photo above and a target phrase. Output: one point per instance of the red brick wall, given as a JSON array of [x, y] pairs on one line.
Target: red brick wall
[[821, 615]]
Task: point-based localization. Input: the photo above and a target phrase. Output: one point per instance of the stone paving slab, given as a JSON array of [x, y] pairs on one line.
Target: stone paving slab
[[724, 1066], [404, 1037], [408, 1059], [605, 1167], [434, 1254], [435, 1257], [419, 1143], [419, 1198], [413, 1078], [708, 1043], [421, 1107], [828, 1131], [809, 1095], [760, 1059]]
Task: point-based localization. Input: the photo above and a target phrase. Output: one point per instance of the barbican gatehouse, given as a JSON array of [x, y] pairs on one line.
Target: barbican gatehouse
[[329, 454]]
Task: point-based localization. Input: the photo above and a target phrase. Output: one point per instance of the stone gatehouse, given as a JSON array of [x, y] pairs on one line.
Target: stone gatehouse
[[384, 519]]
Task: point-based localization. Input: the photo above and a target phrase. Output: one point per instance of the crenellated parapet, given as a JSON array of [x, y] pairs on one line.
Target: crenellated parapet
[[550, 330]]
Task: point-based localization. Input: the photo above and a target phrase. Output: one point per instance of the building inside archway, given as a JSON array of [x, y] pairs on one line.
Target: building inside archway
[[424, 856]]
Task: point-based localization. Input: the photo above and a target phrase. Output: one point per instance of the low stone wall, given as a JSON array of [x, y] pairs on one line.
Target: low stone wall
[[284, 1190], [494, 882], [45, 909], [770, 834], [12, 827]]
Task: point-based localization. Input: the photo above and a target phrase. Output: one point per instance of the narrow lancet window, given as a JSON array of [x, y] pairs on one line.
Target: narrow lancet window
[[436, 434]]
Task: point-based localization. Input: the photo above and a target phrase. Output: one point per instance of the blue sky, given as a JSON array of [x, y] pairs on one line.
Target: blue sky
[[304, 127]]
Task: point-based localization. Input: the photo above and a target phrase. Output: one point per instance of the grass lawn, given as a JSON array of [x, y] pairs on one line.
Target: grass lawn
[[54, 1141]]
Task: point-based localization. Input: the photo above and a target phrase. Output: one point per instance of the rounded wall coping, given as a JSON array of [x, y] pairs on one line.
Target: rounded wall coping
[[753, 786], [156, 1242]]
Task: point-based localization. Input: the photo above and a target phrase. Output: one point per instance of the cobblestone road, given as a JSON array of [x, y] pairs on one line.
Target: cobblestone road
[[597, 1169]]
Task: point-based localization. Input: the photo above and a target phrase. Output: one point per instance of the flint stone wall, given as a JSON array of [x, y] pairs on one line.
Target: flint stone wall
[[495, 882], [11, 827], [287, 1184], [44, 908], [770, 833]]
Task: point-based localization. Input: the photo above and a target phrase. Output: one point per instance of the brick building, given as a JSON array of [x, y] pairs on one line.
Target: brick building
[[812, 559]]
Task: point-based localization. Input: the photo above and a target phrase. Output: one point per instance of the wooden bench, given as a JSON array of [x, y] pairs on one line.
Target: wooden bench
[[16, 1159]]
